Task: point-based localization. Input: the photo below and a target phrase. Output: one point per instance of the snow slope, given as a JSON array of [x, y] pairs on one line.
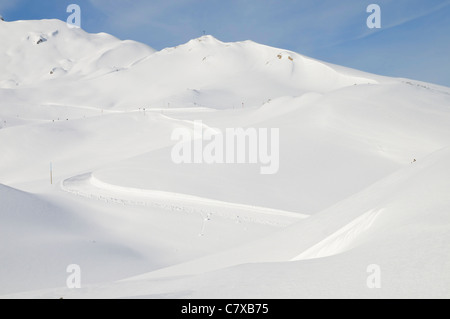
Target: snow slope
[[49, 50], [363, 175], [115, 74]]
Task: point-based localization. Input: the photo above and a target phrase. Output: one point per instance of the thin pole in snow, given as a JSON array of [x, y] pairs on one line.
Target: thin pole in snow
[[51, 173]]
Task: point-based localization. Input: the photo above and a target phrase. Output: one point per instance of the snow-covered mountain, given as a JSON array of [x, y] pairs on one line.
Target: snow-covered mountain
[[37, 52], [99, 69], [363, 176]]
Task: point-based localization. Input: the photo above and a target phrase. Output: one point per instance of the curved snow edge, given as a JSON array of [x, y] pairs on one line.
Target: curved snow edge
[[188, 198], [169, 196], [341, 240]]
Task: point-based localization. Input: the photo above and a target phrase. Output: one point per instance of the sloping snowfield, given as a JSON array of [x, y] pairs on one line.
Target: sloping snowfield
[[363, 178]]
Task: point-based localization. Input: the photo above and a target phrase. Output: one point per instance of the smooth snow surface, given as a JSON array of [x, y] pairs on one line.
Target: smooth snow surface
[[364, 175]]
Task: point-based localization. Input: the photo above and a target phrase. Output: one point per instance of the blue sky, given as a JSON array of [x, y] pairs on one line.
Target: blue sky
[[414, 40]]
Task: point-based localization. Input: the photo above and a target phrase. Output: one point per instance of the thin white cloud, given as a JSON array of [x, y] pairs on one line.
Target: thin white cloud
[[418, 16], [400, 21]]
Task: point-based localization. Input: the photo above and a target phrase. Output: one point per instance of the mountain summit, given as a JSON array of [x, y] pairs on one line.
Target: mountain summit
[[50, 56]]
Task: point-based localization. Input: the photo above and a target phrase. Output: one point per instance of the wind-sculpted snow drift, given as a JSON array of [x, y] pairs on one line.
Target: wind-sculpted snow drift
[[363, 173]]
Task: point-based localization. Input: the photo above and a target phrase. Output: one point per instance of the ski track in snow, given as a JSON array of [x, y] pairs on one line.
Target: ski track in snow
[[87, 185]]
